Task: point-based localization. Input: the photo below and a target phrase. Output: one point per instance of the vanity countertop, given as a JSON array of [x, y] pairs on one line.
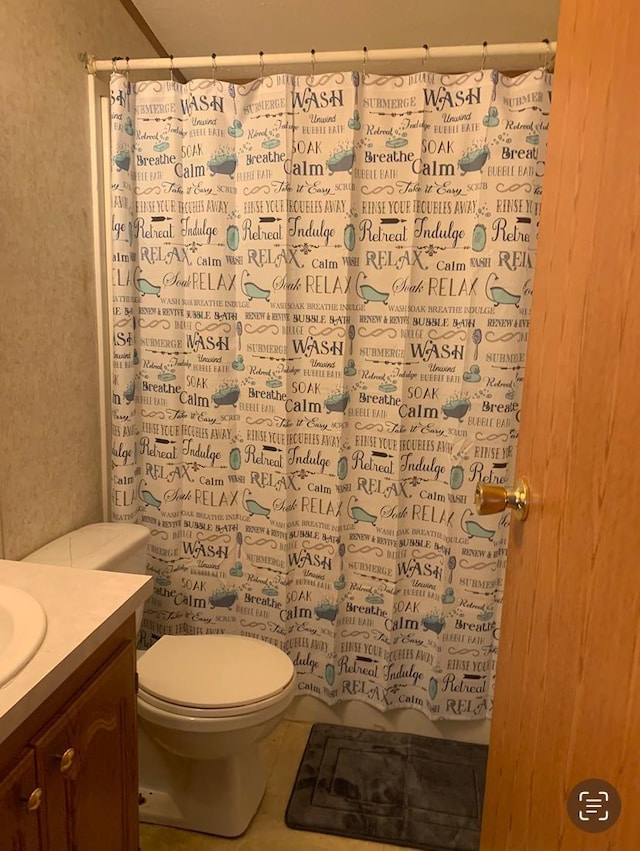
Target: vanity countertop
[[83, 608]]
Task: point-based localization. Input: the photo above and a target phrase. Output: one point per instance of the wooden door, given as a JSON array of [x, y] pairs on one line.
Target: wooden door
[[19, 826], [567, 702], [91, 801]]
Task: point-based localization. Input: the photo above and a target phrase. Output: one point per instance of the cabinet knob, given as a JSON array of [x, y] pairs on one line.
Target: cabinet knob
[[66, 760], [34, 800]]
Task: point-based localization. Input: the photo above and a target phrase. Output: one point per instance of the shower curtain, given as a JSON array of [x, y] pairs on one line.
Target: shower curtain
[[320, 296]]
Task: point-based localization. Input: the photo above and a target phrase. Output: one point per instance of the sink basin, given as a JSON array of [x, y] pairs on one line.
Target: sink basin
[[23, 625]]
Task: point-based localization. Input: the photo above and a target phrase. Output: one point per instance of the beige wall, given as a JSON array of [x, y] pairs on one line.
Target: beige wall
[[49, 417]]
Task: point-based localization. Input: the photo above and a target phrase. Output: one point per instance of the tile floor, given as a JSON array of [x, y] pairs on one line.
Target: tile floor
[[282, 752]]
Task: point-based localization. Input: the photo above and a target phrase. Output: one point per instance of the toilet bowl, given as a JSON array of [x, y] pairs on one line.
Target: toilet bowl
[[205, 702]]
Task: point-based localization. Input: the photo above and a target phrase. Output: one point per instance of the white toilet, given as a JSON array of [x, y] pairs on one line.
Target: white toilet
[[204, 702]]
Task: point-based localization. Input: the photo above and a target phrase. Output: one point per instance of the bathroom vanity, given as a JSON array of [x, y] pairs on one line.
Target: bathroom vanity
[[68, 743]]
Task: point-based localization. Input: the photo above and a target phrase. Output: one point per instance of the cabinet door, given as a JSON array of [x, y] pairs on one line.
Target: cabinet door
[[87, 765], [20, 806]]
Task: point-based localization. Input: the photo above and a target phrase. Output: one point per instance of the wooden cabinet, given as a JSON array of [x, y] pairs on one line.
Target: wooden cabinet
[[83, 758], [20, 802]]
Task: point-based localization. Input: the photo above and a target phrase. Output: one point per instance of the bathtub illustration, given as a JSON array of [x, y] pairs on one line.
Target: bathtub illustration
[[146, 287], [223, 164], [253, 506], [252, 290], [474, 529], [474, 160], [433, 623], [223, 599], [368, 293], [456, 408], [338, 402], [360, 515], [341, 161], [226, 396], [326, 611], [149, 499], [498, 295]]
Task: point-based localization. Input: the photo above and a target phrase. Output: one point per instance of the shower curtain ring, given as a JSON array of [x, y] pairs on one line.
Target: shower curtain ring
[[126, 73], [171, 67], [214, 66], [364, 62], [114, 64], [484, 55], [547, 55], [313, 62], [425, 58], [262, 65]]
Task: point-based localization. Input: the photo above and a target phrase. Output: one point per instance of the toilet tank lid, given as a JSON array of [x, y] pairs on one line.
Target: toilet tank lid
[[92, 547], [214, 671]]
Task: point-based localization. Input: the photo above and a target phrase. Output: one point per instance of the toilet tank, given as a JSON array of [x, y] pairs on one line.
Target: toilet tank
[[101, 546], [119, 547]]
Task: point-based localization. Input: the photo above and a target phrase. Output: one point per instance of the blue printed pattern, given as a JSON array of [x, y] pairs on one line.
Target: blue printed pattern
[[321, 292]]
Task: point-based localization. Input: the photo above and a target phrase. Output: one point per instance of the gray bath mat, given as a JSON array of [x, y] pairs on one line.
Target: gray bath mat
[[390, 787]]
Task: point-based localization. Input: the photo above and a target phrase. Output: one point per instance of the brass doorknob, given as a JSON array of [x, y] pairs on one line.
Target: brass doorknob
[[491, 499], [66, 760], [34, 800]]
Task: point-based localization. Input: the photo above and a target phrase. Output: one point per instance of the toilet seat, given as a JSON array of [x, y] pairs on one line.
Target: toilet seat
[[213, 676]]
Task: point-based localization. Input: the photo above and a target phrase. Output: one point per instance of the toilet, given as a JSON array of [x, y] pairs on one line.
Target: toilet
[[205, 702]]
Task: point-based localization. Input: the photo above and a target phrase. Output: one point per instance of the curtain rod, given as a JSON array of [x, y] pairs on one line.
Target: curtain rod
[[543, 50]]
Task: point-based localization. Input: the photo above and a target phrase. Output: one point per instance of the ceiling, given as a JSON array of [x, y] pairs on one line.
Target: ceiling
[[232, 27]]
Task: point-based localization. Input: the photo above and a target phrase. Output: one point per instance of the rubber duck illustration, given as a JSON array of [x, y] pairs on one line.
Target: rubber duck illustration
[[473, 375], [491, 118], [236, 129]]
